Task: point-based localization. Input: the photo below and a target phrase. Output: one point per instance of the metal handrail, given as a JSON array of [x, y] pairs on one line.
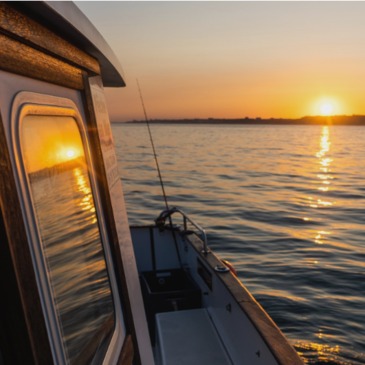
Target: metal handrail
[[166, 213]]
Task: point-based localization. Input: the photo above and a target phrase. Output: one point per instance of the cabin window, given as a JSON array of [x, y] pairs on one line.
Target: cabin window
[[56, 167]]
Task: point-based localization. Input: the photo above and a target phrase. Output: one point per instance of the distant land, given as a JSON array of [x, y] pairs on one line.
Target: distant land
[[308, 120]]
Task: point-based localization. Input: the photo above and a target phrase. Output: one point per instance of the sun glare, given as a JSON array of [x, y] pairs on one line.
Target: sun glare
[[71, 153], [326, 109], [327, 106], [68, 154]]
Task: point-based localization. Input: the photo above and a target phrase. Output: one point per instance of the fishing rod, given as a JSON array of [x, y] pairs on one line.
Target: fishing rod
[[159, 172], [153, 148]]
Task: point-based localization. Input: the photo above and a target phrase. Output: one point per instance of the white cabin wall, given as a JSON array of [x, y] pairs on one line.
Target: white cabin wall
[[236, 330]]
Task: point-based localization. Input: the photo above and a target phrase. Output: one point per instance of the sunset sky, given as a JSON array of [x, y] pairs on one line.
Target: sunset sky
[[235, 59]]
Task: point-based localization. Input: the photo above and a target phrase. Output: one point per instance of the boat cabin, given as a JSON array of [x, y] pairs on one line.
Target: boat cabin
[[79, 286], [67, 270]]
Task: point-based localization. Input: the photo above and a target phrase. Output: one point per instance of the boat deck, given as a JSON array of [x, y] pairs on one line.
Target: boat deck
[[189, 337]]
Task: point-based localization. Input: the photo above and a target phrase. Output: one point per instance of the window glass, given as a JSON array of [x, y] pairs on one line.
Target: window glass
[[55, 163]]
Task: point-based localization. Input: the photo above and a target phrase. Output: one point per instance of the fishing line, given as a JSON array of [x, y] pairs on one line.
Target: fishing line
[[159, 173], [153, 148]]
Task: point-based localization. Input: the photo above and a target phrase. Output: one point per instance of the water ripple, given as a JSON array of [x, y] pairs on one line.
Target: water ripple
[[284, 204]]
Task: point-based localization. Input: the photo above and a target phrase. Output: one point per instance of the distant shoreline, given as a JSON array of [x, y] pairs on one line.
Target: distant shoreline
[[315, 120]]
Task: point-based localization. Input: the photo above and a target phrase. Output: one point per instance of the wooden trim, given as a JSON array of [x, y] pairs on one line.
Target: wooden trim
[[127, 353], [97, 157], [86, 354], [21, 59], [22, 266], [37, 36]]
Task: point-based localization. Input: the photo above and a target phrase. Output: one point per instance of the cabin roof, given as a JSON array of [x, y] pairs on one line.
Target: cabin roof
[[66, 19]]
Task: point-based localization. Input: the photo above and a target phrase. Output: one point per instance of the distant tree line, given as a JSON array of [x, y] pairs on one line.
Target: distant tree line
[[308, 120]]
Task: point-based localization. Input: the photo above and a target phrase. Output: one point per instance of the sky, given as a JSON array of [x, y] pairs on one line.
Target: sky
[[234, 59]]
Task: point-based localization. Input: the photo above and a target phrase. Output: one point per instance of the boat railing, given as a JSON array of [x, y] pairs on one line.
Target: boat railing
[[186, 219]]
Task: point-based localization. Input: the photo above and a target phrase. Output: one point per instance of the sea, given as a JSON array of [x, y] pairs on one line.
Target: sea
[[284, 204]]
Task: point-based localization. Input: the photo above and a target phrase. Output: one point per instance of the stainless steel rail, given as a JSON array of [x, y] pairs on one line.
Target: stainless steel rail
[[166, 213]]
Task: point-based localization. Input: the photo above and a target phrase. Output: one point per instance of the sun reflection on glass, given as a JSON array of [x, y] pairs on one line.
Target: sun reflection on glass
[[70, 153], [87, 202]]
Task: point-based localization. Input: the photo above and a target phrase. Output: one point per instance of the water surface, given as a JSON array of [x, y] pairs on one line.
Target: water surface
[[285, 204]]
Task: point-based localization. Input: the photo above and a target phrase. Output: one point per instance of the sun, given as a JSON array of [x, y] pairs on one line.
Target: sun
[[326, 109], [70, 153], [327, 106]]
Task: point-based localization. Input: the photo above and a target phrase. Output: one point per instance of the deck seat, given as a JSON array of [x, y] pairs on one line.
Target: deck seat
[[188, 337]]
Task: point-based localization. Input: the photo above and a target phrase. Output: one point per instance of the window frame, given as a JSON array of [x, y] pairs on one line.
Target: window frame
[[29, 103]]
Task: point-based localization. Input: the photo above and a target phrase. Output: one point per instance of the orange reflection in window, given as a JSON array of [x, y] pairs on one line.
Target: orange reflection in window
[[83, 186], [75, 267], [50, 142]]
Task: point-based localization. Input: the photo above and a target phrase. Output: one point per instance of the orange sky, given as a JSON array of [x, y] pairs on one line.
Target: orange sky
[[234, 59]]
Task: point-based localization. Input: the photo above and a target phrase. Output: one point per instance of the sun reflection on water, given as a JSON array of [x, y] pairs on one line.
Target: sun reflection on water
[[320, 352], [325, 177], [321, 236], [324, 161]]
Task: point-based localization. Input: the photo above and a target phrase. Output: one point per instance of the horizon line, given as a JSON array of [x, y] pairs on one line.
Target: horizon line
[[308, 118]]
